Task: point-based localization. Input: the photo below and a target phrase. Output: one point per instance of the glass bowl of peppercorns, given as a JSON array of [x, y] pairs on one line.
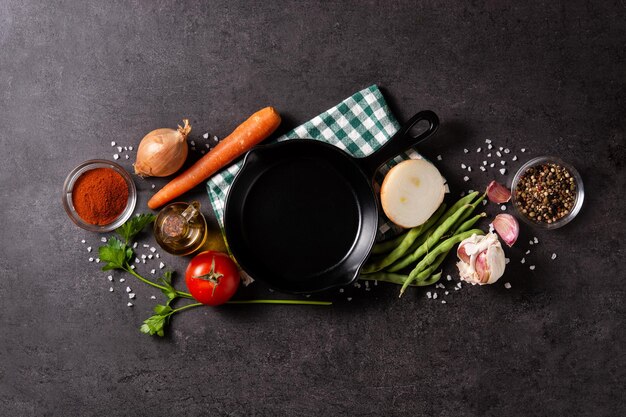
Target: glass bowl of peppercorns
[[547, 192]]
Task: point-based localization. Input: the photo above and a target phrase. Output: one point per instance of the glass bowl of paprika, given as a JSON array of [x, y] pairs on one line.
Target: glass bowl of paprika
[[99, 195]]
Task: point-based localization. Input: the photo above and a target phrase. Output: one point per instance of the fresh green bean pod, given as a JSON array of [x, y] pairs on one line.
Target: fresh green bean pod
[[430, 280], [404, 246], [388, 245], [433, 256], [431, 242], [469, 223], [475, 204], [460, 203], [424, 278]]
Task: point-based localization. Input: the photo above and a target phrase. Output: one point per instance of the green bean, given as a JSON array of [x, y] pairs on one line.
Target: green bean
[[388, 245], [432, 240], [433, 257], [430, 280], [399, 279], [406, 243], [460, 203], [469, 223], [460, 221]]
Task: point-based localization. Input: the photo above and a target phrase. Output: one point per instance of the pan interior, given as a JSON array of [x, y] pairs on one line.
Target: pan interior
[[301, 217]]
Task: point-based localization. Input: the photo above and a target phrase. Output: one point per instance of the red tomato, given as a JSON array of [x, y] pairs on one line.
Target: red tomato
[[212, 278]]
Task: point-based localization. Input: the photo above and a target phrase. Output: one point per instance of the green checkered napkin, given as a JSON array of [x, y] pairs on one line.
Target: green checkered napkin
[[359, 125]]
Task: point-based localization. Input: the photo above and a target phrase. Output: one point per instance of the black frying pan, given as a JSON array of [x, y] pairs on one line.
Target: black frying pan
[[301, 214]]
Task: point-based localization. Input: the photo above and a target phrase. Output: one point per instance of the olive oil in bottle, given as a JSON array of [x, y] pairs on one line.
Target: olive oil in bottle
[[180, 228]]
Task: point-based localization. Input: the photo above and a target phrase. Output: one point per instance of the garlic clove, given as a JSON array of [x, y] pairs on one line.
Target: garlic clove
[[498, 193], [461, 253], [507, 228], [482, 267]]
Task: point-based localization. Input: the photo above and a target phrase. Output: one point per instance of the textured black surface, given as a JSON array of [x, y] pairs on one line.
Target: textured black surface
[[548, 77]]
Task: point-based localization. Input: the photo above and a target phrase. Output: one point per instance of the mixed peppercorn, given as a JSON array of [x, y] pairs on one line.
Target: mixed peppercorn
[[546, 193]]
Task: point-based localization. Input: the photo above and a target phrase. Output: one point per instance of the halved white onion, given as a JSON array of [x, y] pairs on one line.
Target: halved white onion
[[411, 192]]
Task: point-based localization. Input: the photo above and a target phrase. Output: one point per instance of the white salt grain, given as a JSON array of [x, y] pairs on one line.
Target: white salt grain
[[523, 149], [487, 140], [447, 292], [443, 301], [152, 297], [429, 295], [137, 260], [483, 169], [434, 296], [502, 207], [498, 153], [530, 242], [143, 256], [492, 165], [161, 265], [485, 163], [340, 290], [150, 256], [129, 304], [484, 202], [523, 261], [145, 245], [528, 252], [152, 271], [130, 148], [207, 145], [507, 285], [465, 151], [90, 259], [502, 171], [128, 289], [88, 248], [507, 150], [532, 267], [535, 239], [82, 241], [193, 143], [514, 158], [103, 239], [156, 255], [349, 298], [489, 147], [153, 186], [479, 149], [463, 166], [449, 278], [506, 261], [553, 257], [110, 289], [469, 169], [135, 245], [119, 149], [466, 178], [502, 162], [206, 136], [438, 157], [489, 155], [112, 143], [152, 249], [122, 279], [110, 278], [131, 295], [116, 157], [126, 156]]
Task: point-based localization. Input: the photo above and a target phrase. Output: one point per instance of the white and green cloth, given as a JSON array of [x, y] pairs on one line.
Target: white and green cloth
[[359, 125]]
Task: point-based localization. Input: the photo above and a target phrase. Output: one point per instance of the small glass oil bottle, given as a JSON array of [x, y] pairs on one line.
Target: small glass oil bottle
[[180, 228]]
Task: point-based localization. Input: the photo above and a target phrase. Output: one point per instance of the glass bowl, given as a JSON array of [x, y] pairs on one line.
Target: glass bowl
[[578, 202], [68, 187]]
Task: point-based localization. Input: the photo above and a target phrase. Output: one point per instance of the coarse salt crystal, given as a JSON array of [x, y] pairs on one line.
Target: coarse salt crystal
[[448, 277], [130, 148], [502, 162], [523, 149], [443, 301], [119, 149], [483, 169], [135, 245], [535, 239], [466, 178], [502, 171], [429, 295], [110, 278], [507, 285], [97, 260], [122, 279], [523, 261], [489, 155], [82, 241], [126, 156], [145, 245], [116, 156], [532, 267], [137, 260], [112, 143], [341, 290], [514, 158], [487, 140], [152, 271], [530, 242], [90, 259], [484, 202], [456, 288], [156, 255], [152, 297], [161, 265], [447, 292], [193, 143], [528, 252], [129, 304], [88, 248], [206, 136], [479, 149], [128, 289], [153, 186], [485, 163], [150, 256], [439, 158], [492, 165], [458, 284], [131, 295], [465, 151], [110, 289], [143, 261], [152, 249], [103, 239], [501, 148], [489, 147], [469, 169], [434, 296], [553, 257], [125, 148], [207, 145], [507, 150], [498, 153], [502, 207], [143, 256], [463, 166], [506, 261], [349, 298]]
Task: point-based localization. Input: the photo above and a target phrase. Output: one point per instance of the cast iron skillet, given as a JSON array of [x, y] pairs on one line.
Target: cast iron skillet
[[301, 214]]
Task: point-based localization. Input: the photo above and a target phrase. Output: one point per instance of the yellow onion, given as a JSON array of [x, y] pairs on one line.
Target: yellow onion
[[163, 151]]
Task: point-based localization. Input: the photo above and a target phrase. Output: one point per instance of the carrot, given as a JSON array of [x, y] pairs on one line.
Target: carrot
[[258, 127]]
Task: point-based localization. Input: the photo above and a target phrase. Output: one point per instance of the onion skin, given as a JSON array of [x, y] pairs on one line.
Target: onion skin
[[162, 152]]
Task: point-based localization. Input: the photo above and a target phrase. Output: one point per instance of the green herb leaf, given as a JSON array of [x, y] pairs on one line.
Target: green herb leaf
[[134, 225], [162, 310], [154, 325], [169, 290], [116, 254]]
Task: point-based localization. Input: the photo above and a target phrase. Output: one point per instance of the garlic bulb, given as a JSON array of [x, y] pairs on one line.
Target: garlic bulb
[[162, 152], [482, 259]]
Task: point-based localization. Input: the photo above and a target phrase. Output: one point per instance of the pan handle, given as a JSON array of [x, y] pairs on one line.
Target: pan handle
[[400, 142]]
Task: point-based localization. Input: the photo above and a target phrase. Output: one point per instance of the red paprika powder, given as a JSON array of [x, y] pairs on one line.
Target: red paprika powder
[[100, 196]]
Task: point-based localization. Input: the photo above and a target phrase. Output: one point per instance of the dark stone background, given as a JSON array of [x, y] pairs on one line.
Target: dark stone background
[[547, 76]]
